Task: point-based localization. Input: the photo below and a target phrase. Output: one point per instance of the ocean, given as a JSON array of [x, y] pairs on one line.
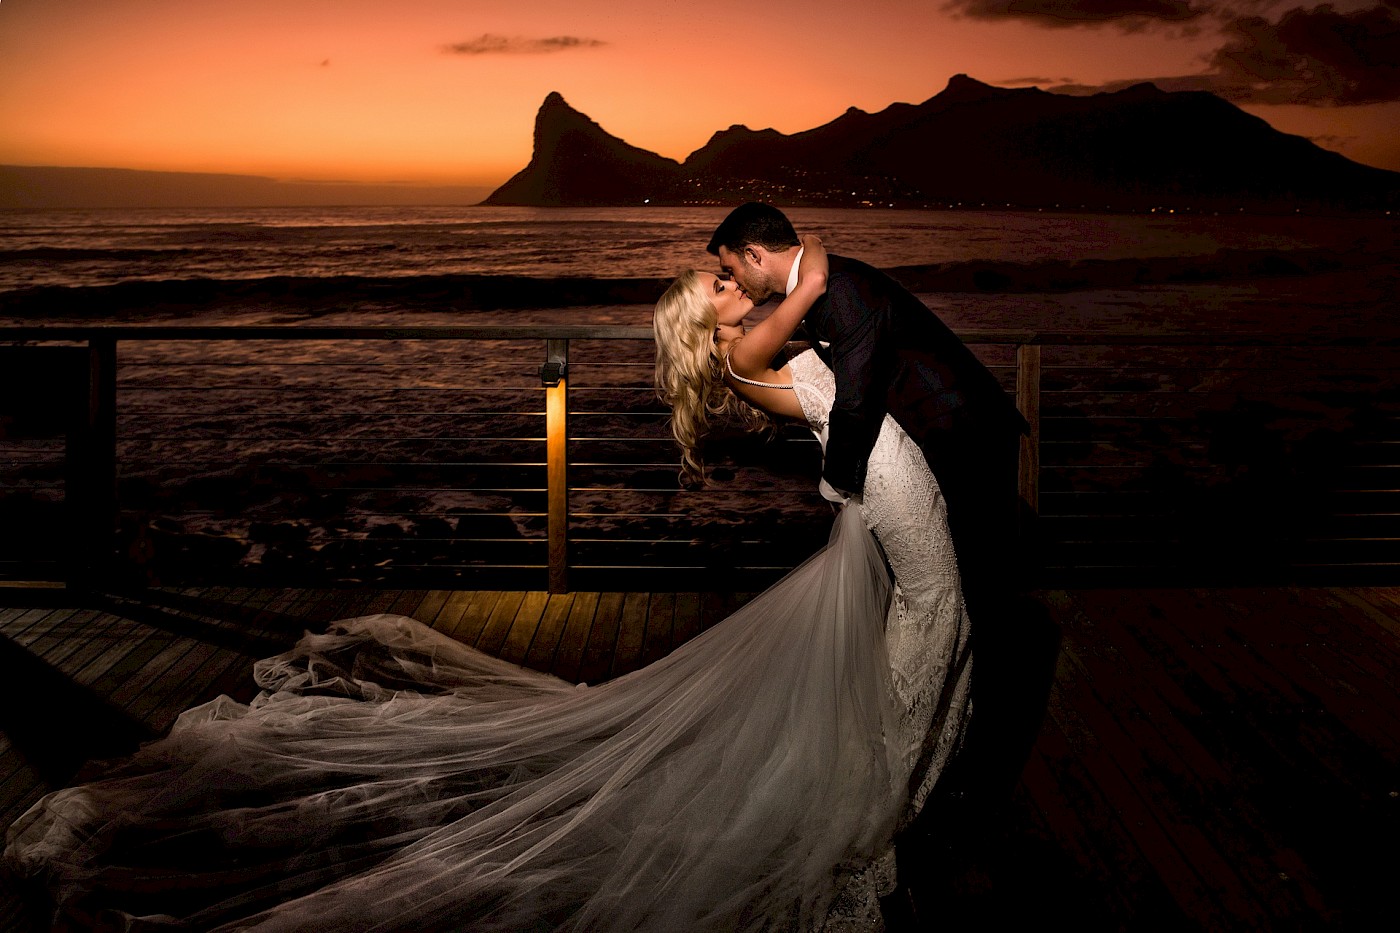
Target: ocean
[[103, 247], [418, 462]]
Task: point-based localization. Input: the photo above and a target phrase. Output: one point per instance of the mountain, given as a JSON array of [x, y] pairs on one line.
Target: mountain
[[576, 164], [971, 143]]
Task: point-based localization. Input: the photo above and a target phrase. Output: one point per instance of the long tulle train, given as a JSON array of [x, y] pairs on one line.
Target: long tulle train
[[389, 778]]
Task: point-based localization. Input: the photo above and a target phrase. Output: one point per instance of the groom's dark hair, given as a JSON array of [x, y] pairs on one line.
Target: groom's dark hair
[[754, 224]]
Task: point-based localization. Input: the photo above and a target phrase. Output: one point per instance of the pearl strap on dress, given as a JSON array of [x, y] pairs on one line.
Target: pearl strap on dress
[[753, 382]]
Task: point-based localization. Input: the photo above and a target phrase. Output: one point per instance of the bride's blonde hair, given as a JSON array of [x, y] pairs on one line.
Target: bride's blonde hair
[[688, 375]]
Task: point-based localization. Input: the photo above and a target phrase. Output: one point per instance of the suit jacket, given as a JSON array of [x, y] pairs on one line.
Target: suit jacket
[[891, 354]]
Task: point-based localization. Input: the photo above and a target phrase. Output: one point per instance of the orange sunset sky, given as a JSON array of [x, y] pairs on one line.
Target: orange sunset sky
[[445, 91]]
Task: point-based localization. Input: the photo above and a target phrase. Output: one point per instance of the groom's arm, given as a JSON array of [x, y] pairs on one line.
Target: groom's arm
[[861, 358]]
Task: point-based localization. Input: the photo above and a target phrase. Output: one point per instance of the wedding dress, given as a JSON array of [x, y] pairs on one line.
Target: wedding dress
[[390, 778]]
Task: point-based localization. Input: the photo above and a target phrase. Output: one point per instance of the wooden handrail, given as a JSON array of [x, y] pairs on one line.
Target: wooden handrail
[[102, 342], [99, 470]]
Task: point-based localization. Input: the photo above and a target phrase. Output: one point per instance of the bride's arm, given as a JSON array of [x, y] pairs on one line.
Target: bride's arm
[[753, 355]]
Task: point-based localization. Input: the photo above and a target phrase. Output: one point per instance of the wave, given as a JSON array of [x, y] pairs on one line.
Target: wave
[[1053, 275], [470, 292], [312, 294], [92, 253]]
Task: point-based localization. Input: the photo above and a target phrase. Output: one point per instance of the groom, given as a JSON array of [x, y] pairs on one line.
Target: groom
[[891, 354]]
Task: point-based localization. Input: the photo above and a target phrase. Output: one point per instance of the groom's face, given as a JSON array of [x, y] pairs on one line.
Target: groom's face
[[747, 267]]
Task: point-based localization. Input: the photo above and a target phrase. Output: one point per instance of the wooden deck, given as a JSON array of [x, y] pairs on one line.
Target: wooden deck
[[1220, 759]]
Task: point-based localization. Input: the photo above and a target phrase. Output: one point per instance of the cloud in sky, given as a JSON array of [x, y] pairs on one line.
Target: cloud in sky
[[490, 44], [1071, 13], [1033, 81], [1314, 56], [1317, 56]]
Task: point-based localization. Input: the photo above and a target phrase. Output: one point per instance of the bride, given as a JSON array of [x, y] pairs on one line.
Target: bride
[[708, 365], [390, 778]]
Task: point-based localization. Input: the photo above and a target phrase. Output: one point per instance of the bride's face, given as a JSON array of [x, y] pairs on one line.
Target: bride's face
[[731, 302]]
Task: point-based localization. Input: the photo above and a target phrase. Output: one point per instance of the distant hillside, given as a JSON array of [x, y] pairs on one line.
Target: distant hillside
[[26, 186], [971, 143], [576, 163]]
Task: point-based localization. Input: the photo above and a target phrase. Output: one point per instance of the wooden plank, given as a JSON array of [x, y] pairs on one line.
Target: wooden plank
[[431, 605], [540, 656], [687, 622], [284, 614], [598, 651], [407, 603], [1154, 752], [1275, 768], [569, 656], [26, 625], [716, 606], [97, 666], [161, 671], [1139, 893], [631, 634], [1057, 809], [1109, 757], [450, 612], [153, 675], [1275, 626], [331, 605], [224, 670], [54, 656], [1269, 691], [15, 801], [380, 602], [661, 614], [176, 689], [57, 635], [1348, 627], [499, 623], [277, 614], [469, 625], [105, 634], [115, 638], [523, 627], [257, 613]]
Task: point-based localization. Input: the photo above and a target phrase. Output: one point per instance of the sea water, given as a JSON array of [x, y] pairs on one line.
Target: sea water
[[101, 247]]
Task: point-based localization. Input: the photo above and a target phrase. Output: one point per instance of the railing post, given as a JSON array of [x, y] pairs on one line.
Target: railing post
[[99, 461], [554, 375], [1028, 401]]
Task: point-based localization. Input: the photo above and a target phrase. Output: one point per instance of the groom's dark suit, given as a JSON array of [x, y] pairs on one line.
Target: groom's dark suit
[[890, 353]]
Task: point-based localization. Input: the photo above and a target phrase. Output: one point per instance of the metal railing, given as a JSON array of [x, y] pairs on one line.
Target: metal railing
[[1149, 455]]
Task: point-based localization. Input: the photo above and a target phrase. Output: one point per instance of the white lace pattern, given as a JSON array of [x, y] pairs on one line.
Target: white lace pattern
[[927, 631]]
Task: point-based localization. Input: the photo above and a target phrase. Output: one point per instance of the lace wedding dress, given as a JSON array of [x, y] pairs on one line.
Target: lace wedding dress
[[390, 778], [927, 632]]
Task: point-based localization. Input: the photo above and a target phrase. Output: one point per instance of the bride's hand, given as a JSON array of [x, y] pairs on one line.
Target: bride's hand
[[813, 268]]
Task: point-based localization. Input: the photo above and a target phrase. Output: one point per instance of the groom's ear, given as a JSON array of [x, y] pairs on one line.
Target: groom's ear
[[753, 255]]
